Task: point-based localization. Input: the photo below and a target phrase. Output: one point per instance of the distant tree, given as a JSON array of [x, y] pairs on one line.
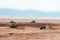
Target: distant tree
[[33, 21], [13, 24]]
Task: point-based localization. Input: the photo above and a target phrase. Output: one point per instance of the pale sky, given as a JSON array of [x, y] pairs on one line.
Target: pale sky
[[41, 5], [30, 8]]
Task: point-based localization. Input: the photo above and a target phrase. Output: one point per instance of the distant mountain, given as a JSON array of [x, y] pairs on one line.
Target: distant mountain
[[27, 13]]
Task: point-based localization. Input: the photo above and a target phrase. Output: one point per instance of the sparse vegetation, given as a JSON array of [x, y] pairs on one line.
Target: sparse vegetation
[[11, 33], [52, 28], [33, 21], [13, 24]]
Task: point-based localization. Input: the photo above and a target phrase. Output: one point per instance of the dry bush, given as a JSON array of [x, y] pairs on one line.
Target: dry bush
[[52, 28]]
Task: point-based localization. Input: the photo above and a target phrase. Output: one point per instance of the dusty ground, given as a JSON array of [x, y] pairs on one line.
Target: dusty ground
[[18, 34], [29, 34], [29, 20]]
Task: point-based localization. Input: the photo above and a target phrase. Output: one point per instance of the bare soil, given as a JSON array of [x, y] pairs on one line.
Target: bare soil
[[29, 34]]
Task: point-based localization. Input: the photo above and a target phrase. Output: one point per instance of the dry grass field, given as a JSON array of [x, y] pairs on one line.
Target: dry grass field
[[7, 33]]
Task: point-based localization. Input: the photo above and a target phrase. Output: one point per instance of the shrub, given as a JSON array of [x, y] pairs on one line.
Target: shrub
[[13, 24], [51, 28], [11, 33], [33, 21]]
